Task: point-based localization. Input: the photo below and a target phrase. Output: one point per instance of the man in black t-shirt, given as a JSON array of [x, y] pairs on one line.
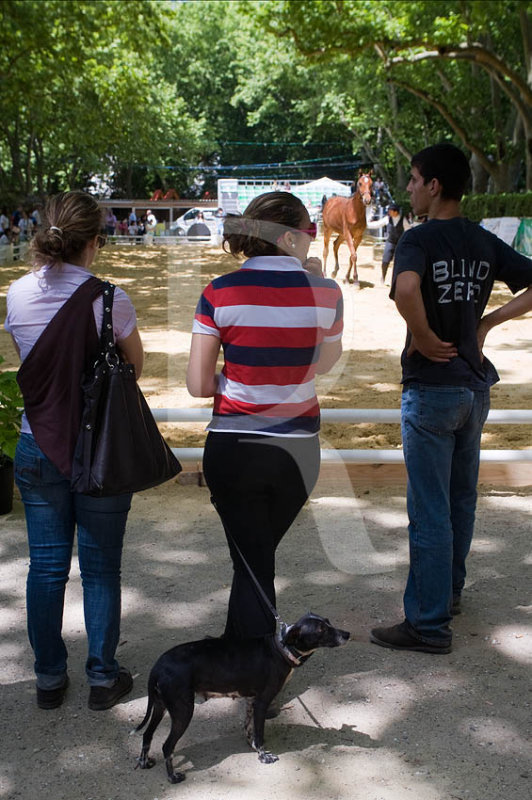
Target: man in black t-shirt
[[443, 276]]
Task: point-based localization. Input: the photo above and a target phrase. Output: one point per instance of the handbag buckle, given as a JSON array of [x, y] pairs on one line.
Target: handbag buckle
[[112, 359]]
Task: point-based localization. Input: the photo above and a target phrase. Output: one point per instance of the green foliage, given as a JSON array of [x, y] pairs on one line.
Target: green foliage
[[10, 414], [483, 206], [83, 93], [458, 68], [142, 89]]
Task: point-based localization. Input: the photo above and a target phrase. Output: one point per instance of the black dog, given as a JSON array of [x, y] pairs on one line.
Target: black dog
[[252, 668]]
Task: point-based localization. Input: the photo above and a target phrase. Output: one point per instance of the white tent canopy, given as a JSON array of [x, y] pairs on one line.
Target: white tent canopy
[[326, 186]]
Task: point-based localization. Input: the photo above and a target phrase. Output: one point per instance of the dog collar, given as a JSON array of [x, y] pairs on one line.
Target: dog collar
[[291, 654]]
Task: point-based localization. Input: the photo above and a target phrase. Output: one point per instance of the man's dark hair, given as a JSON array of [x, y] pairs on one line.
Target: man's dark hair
[[446, 163]]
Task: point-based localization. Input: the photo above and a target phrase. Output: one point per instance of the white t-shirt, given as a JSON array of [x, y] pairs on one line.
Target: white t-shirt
[[34, 299]]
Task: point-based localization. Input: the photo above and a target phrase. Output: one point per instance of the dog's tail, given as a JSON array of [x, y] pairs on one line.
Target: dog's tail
[[152, 690], [147, 716]]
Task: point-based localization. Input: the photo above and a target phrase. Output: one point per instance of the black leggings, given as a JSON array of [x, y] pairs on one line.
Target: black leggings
[[258, 485]]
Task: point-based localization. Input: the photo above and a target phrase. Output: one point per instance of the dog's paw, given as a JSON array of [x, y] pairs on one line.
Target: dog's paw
[[265, 757], [176, 777], [145, 762]]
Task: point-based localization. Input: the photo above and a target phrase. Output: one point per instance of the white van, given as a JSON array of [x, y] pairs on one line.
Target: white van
[[182, 225]]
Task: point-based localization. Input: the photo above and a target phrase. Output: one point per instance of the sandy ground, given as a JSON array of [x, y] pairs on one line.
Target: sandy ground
[[358, 723]]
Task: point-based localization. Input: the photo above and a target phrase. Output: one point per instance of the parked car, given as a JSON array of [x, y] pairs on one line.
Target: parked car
[[195, 216]]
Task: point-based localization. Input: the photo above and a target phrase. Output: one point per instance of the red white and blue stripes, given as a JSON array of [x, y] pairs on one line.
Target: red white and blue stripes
[[271, 317]]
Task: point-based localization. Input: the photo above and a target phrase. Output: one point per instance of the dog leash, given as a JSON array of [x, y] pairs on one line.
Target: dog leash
[[264, 597], [290, 654], [295, 659]]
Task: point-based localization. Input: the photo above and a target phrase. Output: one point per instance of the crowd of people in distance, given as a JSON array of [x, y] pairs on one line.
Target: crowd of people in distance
[[19, 225], [131, 225]]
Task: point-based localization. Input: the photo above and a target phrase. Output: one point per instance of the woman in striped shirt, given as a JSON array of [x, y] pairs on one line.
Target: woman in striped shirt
[[279, 323]]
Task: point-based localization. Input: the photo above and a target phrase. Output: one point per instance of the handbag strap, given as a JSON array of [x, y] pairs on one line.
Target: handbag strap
[[107, 340]]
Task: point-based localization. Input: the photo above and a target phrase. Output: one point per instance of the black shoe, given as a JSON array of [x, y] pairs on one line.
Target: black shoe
[[399, 637], [456, 605], [52, 698], [102, 697]]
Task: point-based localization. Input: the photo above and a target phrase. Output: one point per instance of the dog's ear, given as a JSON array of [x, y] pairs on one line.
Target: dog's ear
[[287, 633]]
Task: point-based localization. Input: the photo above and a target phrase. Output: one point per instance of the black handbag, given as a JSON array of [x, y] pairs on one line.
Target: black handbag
[[119, 448]]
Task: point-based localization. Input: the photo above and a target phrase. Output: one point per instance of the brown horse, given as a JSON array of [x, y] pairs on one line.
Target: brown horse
[[346, 216]]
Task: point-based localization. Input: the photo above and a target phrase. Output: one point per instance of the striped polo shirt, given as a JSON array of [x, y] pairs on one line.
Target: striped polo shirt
[[271, 317]]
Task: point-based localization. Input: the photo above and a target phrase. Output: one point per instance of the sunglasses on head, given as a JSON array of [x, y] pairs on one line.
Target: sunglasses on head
[[311, 231]]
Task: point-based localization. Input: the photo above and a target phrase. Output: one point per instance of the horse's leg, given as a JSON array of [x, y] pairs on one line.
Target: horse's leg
[[326, 238], [352, 241], [336, 246]]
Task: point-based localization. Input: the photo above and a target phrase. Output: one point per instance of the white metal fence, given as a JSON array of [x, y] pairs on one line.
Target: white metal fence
[[354, 416]]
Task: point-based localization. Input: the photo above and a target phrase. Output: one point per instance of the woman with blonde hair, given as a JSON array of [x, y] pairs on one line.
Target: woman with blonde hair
[[54, 314]]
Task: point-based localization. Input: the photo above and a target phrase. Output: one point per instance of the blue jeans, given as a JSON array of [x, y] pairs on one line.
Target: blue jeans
[[441, 429], [52, 513]]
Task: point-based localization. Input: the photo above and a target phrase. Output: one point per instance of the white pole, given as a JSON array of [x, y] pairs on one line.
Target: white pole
[[358, 415], [514, 416], [329, 456]]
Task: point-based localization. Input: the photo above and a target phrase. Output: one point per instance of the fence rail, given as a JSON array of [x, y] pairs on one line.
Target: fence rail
[[355, 416], [13, 252]]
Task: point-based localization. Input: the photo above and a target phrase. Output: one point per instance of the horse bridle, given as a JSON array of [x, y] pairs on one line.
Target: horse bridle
[[365, 195]]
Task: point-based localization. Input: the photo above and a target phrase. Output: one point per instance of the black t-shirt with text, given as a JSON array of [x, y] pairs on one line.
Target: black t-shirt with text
[[458, 262]]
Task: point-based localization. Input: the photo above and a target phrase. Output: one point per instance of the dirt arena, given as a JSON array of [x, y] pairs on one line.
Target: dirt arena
[[358, 723]]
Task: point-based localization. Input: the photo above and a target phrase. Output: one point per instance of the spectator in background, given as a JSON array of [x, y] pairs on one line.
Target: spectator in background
[[110, 223], [132, 219], [25, 225], [16, 215], [36, 216], [379, 190], [14, 234], [219, 216], [122, 227], [151, 221], [133, 228], [4, 221], [396, 227], [4, 238]]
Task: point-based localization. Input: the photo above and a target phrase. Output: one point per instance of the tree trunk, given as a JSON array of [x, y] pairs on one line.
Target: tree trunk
[[17, 177], [526, 31], [39, 166], [501, 179], [28, 179], [479, 175], [129, 181], [400, 181]]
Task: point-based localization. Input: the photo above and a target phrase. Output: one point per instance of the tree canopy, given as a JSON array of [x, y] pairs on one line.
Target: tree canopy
[[153, 93]]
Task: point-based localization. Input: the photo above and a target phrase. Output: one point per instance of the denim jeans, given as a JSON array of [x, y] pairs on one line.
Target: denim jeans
[[52, 513], [441, 429]]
